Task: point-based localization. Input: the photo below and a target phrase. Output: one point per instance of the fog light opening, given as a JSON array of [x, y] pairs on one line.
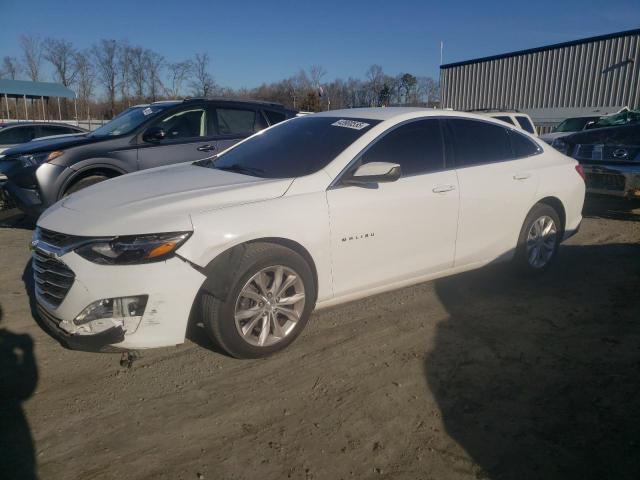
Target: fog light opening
[[101, 315]]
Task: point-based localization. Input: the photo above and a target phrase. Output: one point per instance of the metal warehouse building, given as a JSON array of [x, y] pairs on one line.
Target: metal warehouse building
[[594, 75]]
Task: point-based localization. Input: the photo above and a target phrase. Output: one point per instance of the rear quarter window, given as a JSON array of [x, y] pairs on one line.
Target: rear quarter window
[[522, 146], [274, 117]]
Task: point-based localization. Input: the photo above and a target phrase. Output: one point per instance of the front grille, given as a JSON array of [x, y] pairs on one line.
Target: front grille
[[605, 181], [53, 278], [620, 153], [57, 239]]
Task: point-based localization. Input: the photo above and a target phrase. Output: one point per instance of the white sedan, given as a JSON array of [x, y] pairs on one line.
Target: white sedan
[[313, 212]]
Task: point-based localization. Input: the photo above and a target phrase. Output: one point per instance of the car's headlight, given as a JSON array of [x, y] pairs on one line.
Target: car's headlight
[[560, 145], [34, 159], [133, 249]]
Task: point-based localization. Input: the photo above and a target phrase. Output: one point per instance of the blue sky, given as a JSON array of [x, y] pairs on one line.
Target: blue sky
[[251, 42]]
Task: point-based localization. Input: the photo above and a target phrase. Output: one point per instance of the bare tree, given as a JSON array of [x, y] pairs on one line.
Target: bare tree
[[427, 90], [11, 68], [138, 71], [86, 80], [202, 83], [105, 54], [375, 76], [61, 54], [316, 72], [154, 63], [124, 71], [178, 72], [32, 55]]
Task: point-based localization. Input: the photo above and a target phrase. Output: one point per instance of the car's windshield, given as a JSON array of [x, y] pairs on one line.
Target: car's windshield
[[295, 148], [128, 120], [573, 124]]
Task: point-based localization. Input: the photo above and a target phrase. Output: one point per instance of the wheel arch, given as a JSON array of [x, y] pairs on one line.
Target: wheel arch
[[96, 169], [227, 261], [556, 204]]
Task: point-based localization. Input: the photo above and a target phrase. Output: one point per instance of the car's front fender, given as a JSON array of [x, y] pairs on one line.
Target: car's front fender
[[302, 219]]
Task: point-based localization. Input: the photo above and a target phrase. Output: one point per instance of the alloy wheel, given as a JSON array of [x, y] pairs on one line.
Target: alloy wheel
[[541, 241], [269, 306]]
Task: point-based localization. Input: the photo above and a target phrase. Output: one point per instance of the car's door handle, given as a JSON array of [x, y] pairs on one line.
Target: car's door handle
[[443, 188], [206, 148], [521, 176]]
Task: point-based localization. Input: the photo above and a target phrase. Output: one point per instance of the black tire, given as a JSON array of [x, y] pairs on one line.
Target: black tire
[[218, 314], [84, 183], [521, 260]]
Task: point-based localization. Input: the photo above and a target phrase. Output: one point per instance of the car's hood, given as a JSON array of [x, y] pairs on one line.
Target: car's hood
[[56, 143], [618, 135], [157, 200]]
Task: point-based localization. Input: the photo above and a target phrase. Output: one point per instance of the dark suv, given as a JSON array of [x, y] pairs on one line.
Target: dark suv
[[145, 136]]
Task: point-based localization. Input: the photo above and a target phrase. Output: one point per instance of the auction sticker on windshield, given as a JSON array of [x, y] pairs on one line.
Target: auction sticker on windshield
[[350, 124], [147, 111]]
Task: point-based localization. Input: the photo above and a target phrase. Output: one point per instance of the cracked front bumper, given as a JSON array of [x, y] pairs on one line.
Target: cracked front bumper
[[172, 287]]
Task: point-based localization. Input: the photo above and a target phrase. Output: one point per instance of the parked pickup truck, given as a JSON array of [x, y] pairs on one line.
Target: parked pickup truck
[[610, 158]]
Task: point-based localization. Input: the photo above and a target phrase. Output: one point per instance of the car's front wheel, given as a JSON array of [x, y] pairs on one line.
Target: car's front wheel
[[539, 239], [271, 297]]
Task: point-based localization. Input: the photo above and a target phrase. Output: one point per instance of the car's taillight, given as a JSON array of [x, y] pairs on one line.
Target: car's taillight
[[580, 171]]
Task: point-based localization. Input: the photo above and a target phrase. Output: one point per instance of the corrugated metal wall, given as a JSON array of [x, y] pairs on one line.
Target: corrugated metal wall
[[591, 74]]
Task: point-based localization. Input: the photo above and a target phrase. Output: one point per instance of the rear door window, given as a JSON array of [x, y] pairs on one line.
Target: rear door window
[[55, 130], [474, 142], [234, 121], [19, 134], [525, 123]]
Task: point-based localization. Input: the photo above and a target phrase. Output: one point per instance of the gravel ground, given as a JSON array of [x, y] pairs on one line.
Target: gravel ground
[[480, 375]]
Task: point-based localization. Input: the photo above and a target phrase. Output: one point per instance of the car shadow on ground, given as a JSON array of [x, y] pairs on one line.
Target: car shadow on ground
[[18, 380], [557, 396], [612, 208]]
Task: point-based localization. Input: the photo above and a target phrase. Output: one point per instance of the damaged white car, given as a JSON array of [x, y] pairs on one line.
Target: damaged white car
[[316, 211]]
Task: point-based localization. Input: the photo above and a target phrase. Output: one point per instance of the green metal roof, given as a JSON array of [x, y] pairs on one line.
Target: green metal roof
[[20, 88]]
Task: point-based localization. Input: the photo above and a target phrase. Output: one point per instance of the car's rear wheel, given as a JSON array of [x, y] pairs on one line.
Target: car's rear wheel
[[539, 239], [84, 183], [269, 303]]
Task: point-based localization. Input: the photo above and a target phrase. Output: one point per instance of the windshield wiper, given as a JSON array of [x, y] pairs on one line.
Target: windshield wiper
[[237, 168]]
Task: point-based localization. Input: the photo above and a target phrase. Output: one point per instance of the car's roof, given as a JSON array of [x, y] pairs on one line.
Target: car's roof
[[389, 113], [498, 113], [213, 99], [37, 124]]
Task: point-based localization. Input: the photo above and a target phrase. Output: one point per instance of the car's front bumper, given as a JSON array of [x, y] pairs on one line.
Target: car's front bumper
[[32, 189], [171, 286], [101, 342], [615, 180]]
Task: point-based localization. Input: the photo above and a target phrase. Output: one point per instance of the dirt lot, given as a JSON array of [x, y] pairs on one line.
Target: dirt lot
[[481, 375]]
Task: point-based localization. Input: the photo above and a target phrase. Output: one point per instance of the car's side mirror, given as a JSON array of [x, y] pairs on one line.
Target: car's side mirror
[[374, 172], [155, 134]]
